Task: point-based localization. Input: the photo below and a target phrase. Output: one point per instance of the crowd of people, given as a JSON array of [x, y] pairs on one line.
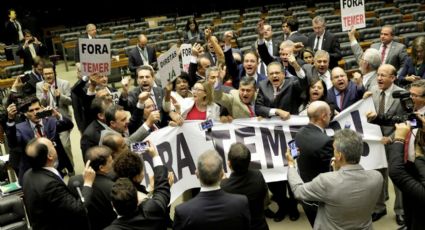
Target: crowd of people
[[302, 77]]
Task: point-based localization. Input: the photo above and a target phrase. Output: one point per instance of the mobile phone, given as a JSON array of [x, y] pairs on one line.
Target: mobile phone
[[24, 78], [413, 123], [207, 124], [139, 147], [294, 149], [44, 113]]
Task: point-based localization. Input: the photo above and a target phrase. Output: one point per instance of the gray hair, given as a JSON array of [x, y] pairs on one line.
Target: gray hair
[[247, 80], [321, 53], [211, 69], [350, 144], [419, 83], [372, 57], [319, 20], [210, 166]]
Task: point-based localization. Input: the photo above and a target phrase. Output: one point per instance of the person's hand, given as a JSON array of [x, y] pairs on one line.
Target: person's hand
[[367, 94], [55, 112], [143, 96], [17, 84], [284, 115], [260, 29], [46, 87], [125, 82], [12, 111], [370, 116], [153, 117], [228, 36], [152, 150], [291, 162], [171, 178], [89, 174], [358, 79], [169, 87], [352, 34], [386, 140], [292, 60], [36, 41], [57, 93], [196, 49], [298, 46], [208, 34], [401, 130]]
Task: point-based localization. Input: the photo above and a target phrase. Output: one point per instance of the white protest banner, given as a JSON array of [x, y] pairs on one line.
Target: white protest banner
[[267, 140], [186, 51], [116, 96], [95, 56], [352, 14], [169, 66]]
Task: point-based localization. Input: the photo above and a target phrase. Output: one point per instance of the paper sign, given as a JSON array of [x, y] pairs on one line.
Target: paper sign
[[352, 14], [95, 56]]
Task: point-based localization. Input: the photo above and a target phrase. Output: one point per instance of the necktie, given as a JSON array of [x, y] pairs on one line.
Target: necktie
[[381, 109], [144, 54], [384, 49], [16, 25], [262, 68], [270, 48], [316, 47], [251, 113], [39, 131], [341, 99], [213, 58]]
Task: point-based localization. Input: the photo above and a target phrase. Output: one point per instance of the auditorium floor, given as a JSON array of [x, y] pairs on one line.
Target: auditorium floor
[[385, 223]]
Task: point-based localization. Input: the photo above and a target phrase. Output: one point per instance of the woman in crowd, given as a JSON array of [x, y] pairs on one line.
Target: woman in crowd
[[201, 105], [317, 91], [308, 56], [414, 66], [192, 32]]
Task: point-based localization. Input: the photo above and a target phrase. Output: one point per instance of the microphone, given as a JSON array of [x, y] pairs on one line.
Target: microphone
[[77, 184]]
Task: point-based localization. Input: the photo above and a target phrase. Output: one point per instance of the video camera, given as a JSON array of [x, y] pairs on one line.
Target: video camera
[[407, 104]]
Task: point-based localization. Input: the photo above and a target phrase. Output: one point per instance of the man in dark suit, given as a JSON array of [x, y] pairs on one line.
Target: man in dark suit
[[290, 26], [20, 134], [48, 201], [91, 33], [247, 68], [142, 54], [198, 65], [322, 39], [247, 182], [13, 29], [100, 211], [30, 48], [315, 148], [212, 207], [271, 43], [386, 106], [35, 76], [144, 213], [344, 92]]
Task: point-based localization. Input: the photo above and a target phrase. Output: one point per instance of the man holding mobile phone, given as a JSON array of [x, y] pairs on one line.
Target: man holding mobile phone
[[315, 148]]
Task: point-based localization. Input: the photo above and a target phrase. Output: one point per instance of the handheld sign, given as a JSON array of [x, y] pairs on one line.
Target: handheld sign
[[95, 56], [186, 51], [169, 66], [352, 14]]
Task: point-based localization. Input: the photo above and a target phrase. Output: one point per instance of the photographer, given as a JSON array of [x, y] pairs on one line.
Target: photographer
[[30, 49], [408, 177], [387, 107]]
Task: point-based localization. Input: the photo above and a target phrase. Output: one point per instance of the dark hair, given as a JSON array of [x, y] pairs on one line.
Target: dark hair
[[111, 112], [48, 65], [128, 165], [124, 197], [183, 76], [38, 61], [97, 106], [98, 156], [240, 157], [251, 52], [190, 21], [24, 103], [292, 23], [247, 80], [26, 31], [38, 155], [110, 141]]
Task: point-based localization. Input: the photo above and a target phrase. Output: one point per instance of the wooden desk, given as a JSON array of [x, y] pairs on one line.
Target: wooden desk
[[6, 83], [123, 62], [67, 45]]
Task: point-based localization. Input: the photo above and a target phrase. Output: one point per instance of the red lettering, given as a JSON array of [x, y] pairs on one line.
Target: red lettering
[[96, 67], [353, 20]]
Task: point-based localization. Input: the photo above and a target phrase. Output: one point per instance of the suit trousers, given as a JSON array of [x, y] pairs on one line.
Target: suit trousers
[[310, 210], [283, 196]]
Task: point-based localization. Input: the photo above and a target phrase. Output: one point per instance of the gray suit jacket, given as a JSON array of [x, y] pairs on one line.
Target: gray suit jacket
[[358, 52], [346, 197], [393, 107], [396, 55], [65, 98]]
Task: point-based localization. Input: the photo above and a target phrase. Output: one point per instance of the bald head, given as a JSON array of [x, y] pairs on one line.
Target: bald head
[[41, 152], [319, 113], [116, 143], [210, 168], [142, 40]]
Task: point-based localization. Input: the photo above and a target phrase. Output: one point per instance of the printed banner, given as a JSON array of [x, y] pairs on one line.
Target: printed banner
[[95, 56], [168, 66], [352, 14], [267, 140]]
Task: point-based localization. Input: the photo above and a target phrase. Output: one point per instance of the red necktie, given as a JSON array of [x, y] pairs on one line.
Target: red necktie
[[251, 113], [341, 99], [384, 48], [39, 131]]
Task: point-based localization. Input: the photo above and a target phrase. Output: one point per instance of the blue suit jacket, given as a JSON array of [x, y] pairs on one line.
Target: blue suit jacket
[[352, 94], [20, 134], [237, 72]]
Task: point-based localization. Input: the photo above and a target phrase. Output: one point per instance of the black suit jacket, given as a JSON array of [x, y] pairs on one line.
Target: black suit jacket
[[152, 213], [352, 94], [29, 87], [299, 37], [135, 60], [331, 44], [11, 33], [316, 151], [25, 53], [410, 181], [286, 98], [51, 205], [213, 210], [90, 137], [100, 211], [254, 187], [130, 103]]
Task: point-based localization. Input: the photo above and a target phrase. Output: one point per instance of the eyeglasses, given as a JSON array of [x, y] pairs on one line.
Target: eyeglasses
[[412, 95]]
